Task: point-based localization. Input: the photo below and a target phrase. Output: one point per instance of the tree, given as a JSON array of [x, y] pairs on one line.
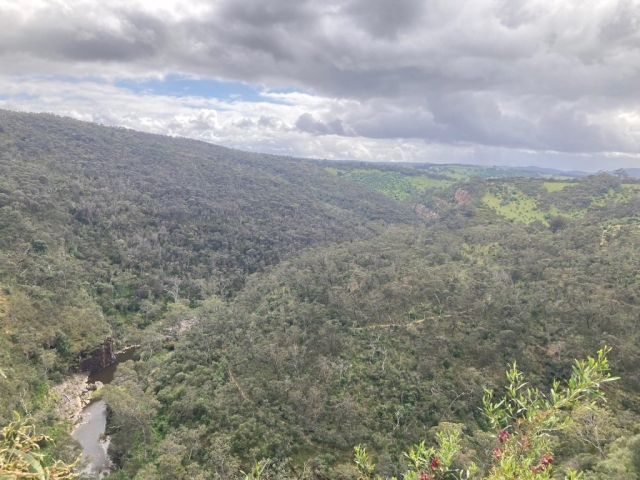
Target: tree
[[558, 223], [621, 173]]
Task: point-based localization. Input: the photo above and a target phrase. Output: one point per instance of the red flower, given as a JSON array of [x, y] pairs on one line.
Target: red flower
[[435, 463], [503, 436], [546, 460], [497, 453], [424, 476]]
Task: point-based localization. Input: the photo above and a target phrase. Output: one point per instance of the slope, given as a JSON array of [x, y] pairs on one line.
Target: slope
[[378, 340], [101, 227]]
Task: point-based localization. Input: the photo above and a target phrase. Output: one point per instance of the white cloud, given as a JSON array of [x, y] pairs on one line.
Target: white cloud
[[441, 78]]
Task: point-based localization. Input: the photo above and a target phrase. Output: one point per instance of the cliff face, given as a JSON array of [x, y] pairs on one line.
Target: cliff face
[[99, 358]]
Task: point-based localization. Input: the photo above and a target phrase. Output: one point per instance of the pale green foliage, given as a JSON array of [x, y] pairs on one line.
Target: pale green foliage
[[268, 470], [622, 462], [594, 426], [256, 472], [363, 463], [525, 416], [448, 447], [437, 460], [20, 455], [522, 419]]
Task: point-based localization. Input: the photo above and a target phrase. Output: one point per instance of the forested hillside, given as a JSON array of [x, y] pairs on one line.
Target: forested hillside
[[285, 313], [100, 228]]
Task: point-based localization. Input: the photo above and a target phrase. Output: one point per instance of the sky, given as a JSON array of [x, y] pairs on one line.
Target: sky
[[552, 83]]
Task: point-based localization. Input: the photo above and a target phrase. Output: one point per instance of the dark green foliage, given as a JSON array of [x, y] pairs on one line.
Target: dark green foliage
[[101, 228], [375, 341]]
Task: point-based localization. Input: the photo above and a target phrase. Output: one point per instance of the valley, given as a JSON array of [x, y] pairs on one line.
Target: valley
[[287, 310]]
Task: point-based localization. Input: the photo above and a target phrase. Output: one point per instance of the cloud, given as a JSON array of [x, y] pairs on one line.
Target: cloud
[[487, 75], [307, 123]]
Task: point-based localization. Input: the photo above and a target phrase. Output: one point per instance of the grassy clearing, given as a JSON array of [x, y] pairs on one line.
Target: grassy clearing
[[556, 186], [626, 193], [512, 204], [465, 172], [518, 207], [395, 185], [455, 172], [423, 183]]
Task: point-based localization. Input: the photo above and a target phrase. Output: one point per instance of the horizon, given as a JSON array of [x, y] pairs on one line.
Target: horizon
[[354, 160]]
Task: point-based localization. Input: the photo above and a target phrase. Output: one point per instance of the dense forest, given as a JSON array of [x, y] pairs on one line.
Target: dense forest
[[289, 310]]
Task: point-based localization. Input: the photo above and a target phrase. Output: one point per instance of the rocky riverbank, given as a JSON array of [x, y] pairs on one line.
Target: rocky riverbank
[[72, 395]]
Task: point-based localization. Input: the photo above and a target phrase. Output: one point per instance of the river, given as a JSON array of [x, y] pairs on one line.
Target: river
[[90, 432]]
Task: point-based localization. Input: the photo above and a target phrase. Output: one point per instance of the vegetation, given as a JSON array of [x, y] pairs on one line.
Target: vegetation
[[20, 456], [285, 314], [406, 181], [522, 421], [552, 199], [101, 230], [397, 185]]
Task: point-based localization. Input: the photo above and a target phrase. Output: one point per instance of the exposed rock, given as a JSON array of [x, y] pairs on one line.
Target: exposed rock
[[424, 212], [71, 396], [98, 358], [181, 326], [95, 386], [462, 196]]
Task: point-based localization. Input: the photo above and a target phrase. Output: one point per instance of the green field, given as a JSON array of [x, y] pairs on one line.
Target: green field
[[404, 182], [518, 207], [626, 193], [395, 185], [556, 186], [466, 172], [511, 203]]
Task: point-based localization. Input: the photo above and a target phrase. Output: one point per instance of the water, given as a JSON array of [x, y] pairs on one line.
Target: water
[[106, 374], [90, 432]]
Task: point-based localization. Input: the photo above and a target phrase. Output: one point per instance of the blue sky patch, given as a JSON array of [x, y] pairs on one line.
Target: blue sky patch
[[24, 96], [177, 86]]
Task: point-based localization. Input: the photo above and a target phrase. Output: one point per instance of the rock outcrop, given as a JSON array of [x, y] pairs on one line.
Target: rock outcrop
[[99, 358], [424, 212], [70, 397], [462, 196]]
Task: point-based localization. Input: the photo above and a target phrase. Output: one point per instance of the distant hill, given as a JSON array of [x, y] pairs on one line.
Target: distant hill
[[409, 181], [551, 171], [457, 170]]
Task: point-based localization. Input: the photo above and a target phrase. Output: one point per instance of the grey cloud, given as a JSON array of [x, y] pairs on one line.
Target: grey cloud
[[269, 122], [382, 18], [278, 12], [52, 34], [307, 123], [507, 73], [264, 122]]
